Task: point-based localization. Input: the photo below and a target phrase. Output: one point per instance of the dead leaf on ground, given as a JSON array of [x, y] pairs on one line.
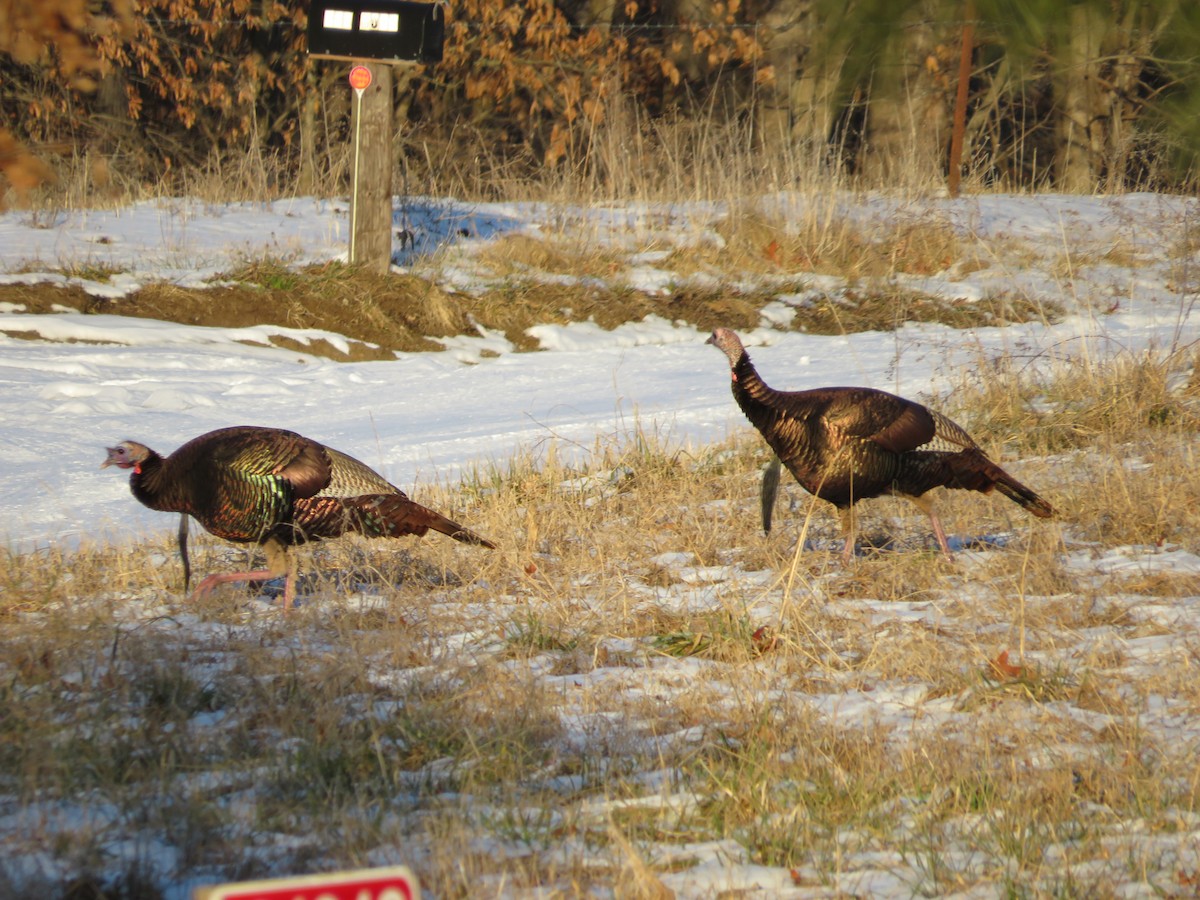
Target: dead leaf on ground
[[1001, 668]]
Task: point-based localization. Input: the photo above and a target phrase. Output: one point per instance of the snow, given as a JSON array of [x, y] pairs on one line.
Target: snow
[[162, 383], [73, 384]]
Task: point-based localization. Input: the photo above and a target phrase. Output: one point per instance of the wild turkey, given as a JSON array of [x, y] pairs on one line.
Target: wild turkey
[[276, 488], [845, 444]]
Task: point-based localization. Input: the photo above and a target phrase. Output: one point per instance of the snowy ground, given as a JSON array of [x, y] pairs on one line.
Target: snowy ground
[[1126, 268], [98, 379]]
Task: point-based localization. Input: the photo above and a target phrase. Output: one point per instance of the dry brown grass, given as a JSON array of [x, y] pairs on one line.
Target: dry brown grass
[[826, 242], [637, 669], [501, 716]]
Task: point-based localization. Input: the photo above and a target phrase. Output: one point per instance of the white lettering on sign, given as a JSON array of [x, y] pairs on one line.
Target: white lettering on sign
[[376, 21], [338, 19]]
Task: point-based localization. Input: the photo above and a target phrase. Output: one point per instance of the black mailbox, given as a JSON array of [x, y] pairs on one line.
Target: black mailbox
[[376, 29]]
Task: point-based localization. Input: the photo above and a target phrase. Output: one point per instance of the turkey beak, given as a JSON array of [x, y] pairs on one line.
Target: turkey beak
[[712, 339], [110, 461]]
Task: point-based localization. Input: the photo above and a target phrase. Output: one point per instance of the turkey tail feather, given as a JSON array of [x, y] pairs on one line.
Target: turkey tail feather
[[460, 534], [975, 472], [394, 515], [1018, 493]]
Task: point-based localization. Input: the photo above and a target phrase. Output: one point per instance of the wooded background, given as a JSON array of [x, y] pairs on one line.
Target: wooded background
[[1073, 96]]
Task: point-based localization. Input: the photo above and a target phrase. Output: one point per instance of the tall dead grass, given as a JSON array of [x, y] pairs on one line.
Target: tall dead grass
[[637, 668], [628, 157]]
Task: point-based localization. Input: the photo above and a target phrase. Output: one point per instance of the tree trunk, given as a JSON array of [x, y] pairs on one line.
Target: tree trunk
[[796, 110], [814, 106], [306, 176], [774, 107], [371, 183], [1136, 37], [1120, 114], [1082, 119], [907, 122]]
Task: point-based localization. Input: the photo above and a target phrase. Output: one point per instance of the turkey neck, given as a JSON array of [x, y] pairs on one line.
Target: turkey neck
[[152, 485], [786, 427], [752, 393]]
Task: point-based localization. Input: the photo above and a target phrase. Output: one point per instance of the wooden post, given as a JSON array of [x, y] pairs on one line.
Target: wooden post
[[371, 180]]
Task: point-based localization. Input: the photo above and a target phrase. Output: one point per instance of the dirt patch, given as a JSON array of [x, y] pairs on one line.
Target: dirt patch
[[382, 314], [378, 314]]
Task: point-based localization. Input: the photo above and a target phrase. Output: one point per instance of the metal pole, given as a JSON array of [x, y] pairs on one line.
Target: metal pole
[[354, 176]]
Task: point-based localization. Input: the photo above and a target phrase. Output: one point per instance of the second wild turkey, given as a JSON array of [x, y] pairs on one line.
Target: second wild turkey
[[276, 488], [845, 444]]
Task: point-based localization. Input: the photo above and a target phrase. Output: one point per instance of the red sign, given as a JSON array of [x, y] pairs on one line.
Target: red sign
[[360, 78], [393, 883]]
